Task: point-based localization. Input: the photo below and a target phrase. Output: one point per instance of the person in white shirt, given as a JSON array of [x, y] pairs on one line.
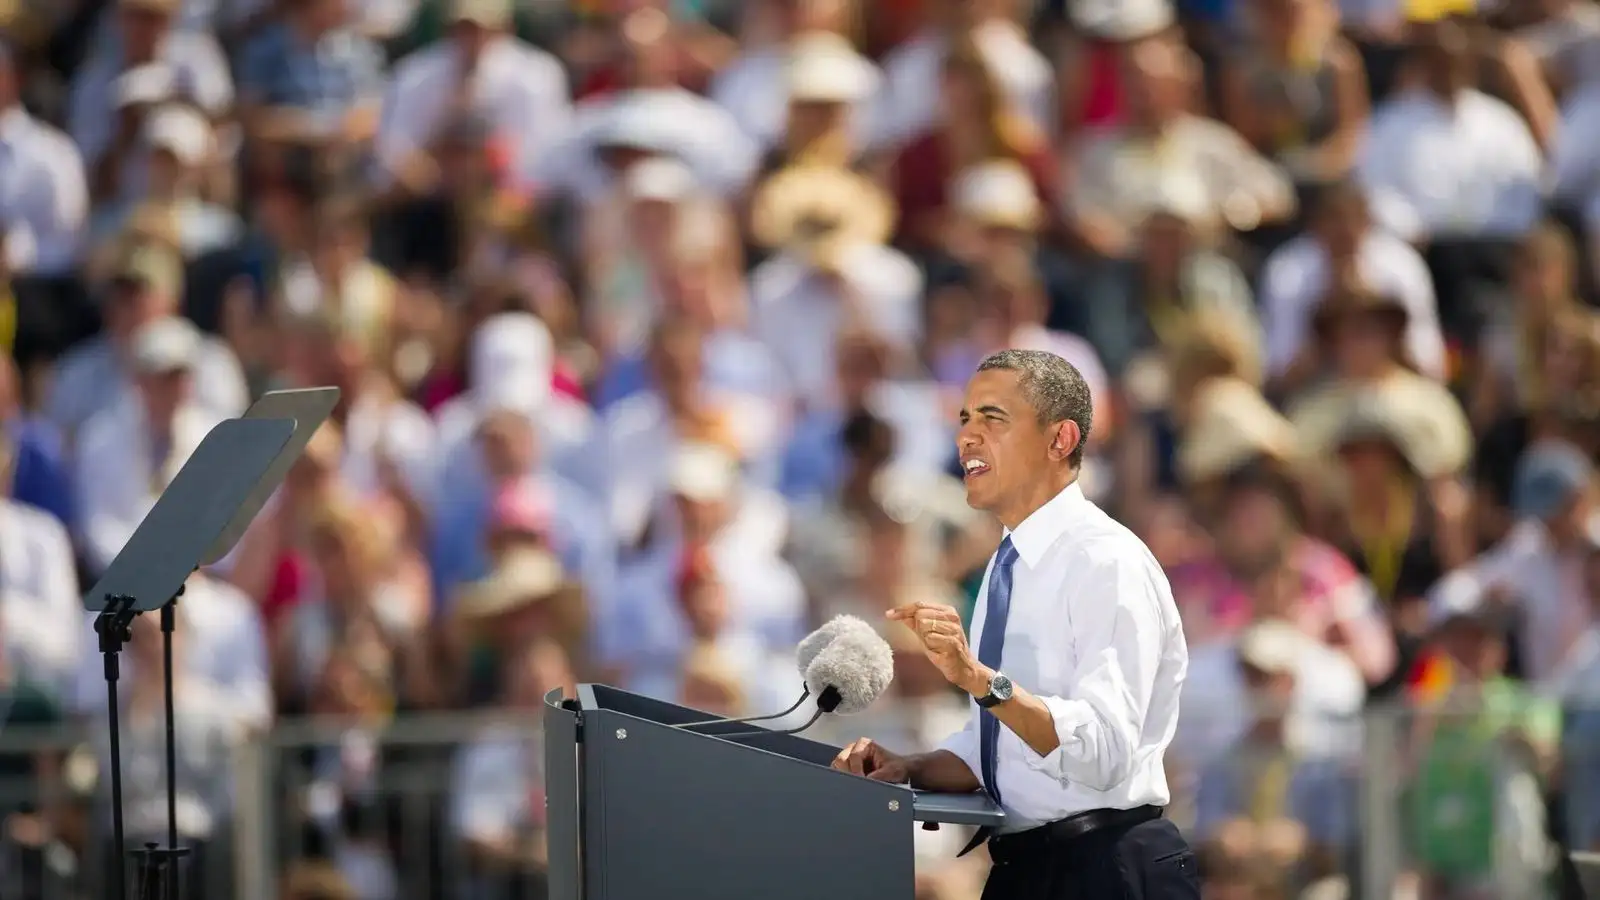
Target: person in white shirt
[[1300, 273], [651, 116], [129, 453], [42, 186], [41, 632], [97, 373], [1451, 167], [519, 89], [1080, 611], [909, 101], [142, 62], [808, 67]]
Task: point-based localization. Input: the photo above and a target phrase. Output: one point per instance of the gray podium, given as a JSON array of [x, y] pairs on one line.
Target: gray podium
[[1586, 867], [640, 810]]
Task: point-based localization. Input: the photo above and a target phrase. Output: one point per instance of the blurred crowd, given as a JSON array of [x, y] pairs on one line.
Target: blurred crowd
[[651, 321]]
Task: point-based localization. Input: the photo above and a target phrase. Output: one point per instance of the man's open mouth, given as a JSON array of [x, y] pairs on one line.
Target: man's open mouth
[[973, 467]]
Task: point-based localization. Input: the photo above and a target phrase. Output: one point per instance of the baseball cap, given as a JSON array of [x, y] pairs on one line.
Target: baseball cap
[[168, 344], [1548, 478]]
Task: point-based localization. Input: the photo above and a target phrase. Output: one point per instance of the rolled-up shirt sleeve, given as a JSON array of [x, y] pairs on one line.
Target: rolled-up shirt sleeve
[[1118, 633], [964, 744]]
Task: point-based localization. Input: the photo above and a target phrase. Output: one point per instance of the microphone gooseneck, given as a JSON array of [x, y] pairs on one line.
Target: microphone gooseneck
[[806, 652], [803, 695], [757, 732]]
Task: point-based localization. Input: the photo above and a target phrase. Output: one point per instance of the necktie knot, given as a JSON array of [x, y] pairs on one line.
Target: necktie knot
[[1007, 554]]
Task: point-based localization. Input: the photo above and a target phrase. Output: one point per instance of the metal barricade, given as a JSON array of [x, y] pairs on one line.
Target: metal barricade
[[448, 806]]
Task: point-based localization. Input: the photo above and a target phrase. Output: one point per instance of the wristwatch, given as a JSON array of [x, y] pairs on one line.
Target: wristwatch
[[999, 691]]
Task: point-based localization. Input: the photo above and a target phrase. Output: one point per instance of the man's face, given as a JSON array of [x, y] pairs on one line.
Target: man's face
[[133, 304], [1574, 519], [1253, 529], [1002, 444], [507, 443], [164, 392], [142, 31]]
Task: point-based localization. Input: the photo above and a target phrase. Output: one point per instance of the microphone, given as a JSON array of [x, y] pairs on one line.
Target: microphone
[[847, 676], [805, 653]]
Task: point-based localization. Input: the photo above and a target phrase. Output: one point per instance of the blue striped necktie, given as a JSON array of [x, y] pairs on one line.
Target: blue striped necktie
[[990, 648]]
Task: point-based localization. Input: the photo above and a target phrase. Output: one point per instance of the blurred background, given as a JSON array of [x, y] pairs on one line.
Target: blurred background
[[651, 320]]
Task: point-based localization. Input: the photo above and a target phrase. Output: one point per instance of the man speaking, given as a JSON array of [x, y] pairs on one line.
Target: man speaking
[[1075, 663]]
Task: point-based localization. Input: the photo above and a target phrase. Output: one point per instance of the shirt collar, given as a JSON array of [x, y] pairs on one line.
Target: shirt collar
[[1040, 530]]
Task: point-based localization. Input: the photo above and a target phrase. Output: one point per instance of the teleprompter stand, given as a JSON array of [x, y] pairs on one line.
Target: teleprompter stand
[[196, 520]]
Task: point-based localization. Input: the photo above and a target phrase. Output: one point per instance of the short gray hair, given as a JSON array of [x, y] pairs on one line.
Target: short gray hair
[[1052, 386]]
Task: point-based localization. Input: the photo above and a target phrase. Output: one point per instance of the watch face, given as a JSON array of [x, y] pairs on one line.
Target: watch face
[[1000, 687]]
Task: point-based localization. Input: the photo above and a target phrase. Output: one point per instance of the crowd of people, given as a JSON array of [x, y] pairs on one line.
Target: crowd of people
[[651, 321]]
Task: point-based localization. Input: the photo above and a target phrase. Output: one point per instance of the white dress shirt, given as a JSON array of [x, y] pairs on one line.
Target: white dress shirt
[[1093, 632], [1296, 277], [1468, 170], [521, 89], [909, 102], [43, 192]]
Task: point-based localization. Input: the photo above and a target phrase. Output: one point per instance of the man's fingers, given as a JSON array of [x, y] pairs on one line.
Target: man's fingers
[[941, 643], [891, 773], [915, 610], [850, 758]]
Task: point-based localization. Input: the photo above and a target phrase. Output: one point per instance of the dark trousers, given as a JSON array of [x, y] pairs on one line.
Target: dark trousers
[[1148, 861]]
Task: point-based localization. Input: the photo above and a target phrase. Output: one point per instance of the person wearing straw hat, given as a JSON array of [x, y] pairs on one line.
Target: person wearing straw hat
[[832, 269], [1240, 461], [526, 595], [1389, 517], [1361, 336]]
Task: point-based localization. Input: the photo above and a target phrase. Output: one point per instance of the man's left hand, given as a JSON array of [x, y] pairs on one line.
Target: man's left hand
[[944, 639]]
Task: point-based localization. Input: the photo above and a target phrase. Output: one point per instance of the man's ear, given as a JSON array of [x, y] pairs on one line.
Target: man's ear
[[1065, 440]]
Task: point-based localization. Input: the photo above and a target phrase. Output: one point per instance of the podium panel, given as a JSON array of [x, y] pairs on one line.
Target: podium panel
[[687, 816], [640, 808]]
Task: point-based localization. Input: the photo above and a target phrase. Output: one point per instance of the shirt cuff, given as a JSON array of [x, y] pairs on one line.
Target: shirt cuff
[[1068, 716]]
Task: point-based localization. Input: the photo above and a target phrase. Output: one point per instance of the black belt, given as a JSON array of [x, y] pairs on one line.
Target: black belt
[[1004, 847]]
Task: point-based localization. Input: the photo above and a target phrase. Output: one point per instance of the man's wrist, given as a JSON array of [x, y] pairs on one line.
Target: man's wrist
[[977, 684]]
